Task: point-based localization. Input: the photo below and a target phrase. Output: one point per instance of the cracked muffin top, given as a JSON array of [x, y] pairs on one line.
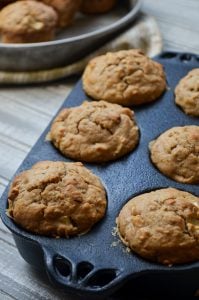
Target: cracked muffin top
[[176, 153], [97, 6], [125, 77], [66, 10], [95, 131], [57, 199], [162, 226], [187, 93], [29, 16]]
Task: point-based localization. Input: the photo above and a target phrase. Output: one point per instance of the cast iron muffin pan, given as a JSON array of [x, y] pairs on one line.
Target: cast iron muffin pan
[[97, 263]]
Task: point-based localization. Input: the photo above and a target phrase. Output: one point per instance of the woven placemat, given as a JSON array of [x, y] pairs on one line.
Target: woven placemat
[[144, 34]]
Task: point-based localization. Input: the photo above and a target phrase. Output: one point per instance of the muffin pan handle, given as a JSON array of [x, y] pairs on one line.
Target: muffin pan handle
[[82, 277], [59, 269]]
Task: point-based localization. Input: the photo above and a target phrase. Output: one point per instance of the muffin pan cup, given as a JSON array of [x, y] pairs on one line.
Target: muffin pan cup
[[97, 263]]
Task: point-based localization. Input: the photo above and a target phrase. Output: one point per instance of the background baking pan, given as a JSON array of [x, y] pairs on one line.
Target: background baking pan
[[98, 263], [72, 43]]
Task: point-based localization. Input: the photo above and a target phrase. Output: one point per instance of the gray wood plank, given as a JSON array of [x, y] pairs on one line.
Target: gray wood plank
[[13, 142], [182, 13], [4, 296], [21, 122], [45, 99], [4, 228], [178, 21], [11, 158], [5, 235], [2, 188], [20, 280], [3, 184]]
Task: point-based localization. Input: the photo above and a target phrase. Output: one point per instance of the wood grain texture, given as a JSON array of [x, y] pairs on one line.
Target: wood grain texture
[[24, 114], [3, 184], [178, 21], [20, 281]]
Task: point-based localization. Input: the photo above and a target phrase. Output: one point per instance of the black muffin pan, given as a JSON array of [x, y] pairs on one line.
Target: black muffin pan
[[97, 263]]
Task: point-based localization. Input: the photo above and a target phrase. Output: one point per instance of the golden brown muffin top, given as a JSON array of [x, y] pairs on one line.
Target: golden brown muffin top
[[27, 16], [187, 93], [95, 131], [57, 199], [176, 153], [162, 226], [125, 77], [66, 10]]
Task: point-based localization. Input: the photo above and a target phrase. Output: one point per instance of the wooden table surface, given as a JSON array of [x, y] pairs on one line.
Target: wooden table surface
[[26, 111]]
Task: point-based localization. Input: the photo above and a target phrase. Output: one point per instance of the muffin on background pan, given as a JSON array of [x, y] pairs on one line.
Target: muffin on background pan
[[66, 10], [27, 21], [95, 131], [176, 153], [162, 226], [57, 199], [187, 93], [97, 6], [126, 77]]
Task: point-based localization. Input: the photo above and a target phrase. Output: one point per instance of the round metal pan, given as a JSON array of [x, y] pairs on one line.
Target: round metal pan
[[86, 34]]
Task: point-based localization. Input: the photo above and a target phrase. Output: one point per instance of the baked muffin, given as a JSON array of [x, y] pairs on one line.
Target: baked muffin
[[27, 22], [97, 6], [162, 226], [187, 93], [66, 10], [125, 77], [176, 153], [57, 199], [95, 132]]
